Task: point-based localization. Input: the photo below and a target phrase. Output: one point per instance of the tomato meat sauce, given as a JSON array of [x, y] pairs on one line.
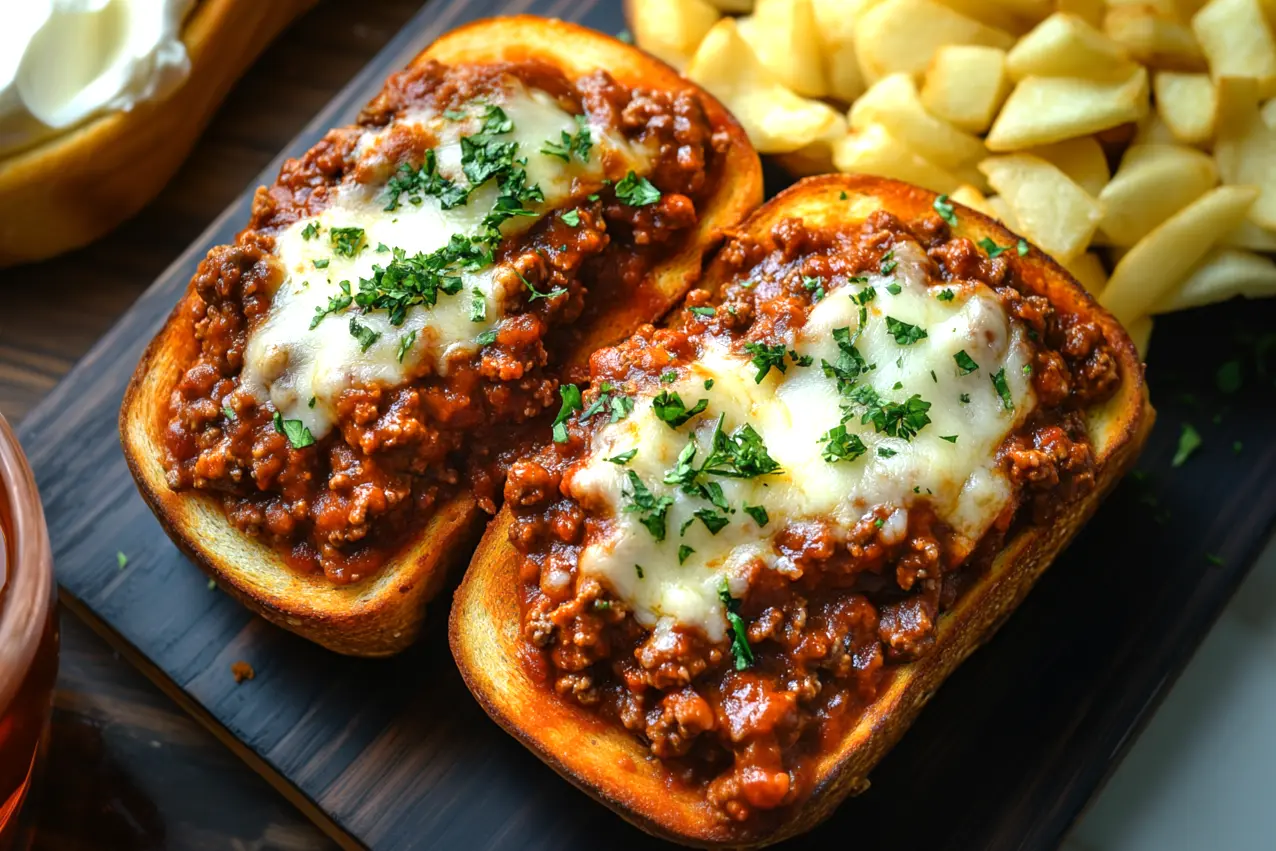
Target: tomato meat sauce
[[824, 640], [344, 502]]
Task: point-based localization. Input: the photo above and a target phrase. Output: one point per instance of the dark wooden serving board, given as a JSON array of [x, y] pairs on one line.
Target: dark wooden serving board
[[395, 754]]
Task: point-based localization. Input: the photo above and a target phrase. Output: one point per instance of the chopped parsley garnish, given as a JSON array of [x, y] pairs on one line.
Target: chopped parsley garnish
[[683, 552], [310, 231], [1189, 442], [1022, 247], [382, 248], [578, 144], [843, 196], [945, 295], [800, 360], [418, 280], [708, 384], [405, 345], [740, 648], [572, 217], [346, 241], [965, 398], [623, 458], [420, 182], [229, 413], [311, 403], [1027, 369], [894, 289], [850, 363], [668, 377], [321, 264], [965, 363], [904, 333], [815, 286], [535, 294], [478, 305], [621, 407], [651, 509], [765, 357], [336, 303], [862, 298], [365, 335], [1237, 446], [992, 248], [758, 513], [602, 605], [945, 209], [636, 191], [712, 520], [841, 445], [487, 338], [897, 419], [1003, 389], [638, 570], [889, 262], [951, 438], [1228, 378], [702, 311], [295, 430], [121, 559], [739, 455], [886, 452], [671, 410], [570, 394]]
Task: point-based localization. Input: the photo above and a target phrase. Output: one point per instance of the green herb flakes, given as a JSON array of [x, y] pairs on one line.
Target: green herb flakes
[[295, 430], [636, 191], [623, 458], [1003, 389], [904, 333], [945, 209], [1189, 442]]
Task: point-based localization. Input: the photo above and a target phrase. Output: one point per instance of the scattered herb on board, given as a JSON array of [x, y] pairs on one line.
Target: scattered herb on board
[[1189, 442], [121, 559]]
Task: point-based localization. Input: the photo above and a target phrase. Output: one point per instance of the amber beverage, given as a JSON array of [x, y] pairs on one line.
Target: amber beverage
[[28, 635]]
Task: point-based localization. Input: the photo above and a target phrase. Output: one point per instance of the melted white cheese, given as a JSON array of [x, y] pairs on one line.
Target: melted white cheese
[[791, 412], [289, 364]]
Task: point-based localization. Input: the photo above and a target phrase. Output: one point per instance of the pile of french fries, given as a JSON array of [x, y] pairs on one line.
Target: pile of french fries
[[1017, 108]]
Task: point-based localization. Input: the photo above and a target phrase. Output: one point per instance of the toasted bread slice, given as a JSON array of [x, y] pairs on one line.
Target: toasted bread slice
[[485, 629], [382, 614]]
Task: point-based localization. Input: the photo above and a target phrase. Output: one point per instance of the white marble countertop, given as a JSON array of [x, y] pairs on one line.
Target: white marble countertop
[[1202, 775]]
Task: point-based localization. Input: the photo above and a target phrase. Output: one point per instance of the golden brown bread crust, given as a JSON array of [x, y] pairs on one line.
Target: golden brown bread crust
[[608, 762], [381, 615]]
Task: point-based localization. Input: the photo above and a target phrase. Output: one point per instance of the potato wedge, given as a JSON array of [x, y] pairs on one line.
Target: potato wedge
[[971, 197], [1043, 110], [776, 119], [1224, 274], [671, 29], [1090, 11], [894, 103], [1081, 159], [1140, 331], [1269, 113], [782, 34], [815, 157], [965, 85], [835, 22], [1064, 45], [1237, 41], [1186, 103], [1052, 210], [903, 35], [736, 7], [1087, 268], [1154, 38], [1153, 183], [1160, 261], [1251, 236], [873, 150], [1003, 213]]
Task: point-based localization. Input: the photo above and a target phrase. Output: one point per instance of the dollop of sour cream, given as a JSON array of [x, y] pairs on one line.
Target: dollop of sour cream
[[65, 61]]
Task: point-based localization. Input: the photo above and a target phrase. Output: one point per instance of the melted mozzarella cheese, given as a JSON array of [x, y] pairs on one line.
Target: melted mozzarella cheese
[[792, 412], [290, 364]]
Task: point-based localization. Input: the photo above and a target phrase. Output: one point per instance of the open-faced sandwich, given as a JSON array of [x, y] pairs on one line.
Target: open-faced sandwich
[[762, 537], [319, 421]]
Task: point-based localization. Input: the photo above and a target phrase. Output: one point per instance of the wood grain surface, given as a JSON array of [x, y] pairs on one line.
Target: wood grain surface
[[395, 754]]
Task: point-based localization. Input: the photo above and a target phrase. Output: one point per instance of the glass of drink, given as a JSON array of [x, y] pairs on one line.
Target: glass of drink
[[28, 635]]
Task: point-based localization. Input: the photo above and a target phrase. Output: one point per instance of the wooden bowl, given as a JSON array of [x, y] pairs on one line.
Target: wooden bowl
[[70, 189]]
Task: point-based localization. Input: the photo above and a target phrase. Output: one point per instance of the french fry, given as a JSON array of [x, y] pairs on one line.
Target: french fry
[[1160, 261], [1052, 210], [1088, 269], [1152, 184], [835, 21], [671, 29], [873, 150], [903, 35], [777, 120], [894, 103], [1140, 331], [1186, 103], [1245, 147], [1224, 274], [1043, 110], [1237, 41], [974, 199], [965, 85], [1064, 45], [782, 35], [1154, 38], [1081, 159]]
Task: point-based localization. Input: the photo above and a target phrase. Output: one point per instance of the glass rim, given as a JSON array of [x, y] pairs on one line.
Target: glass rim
[[28, 586]]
